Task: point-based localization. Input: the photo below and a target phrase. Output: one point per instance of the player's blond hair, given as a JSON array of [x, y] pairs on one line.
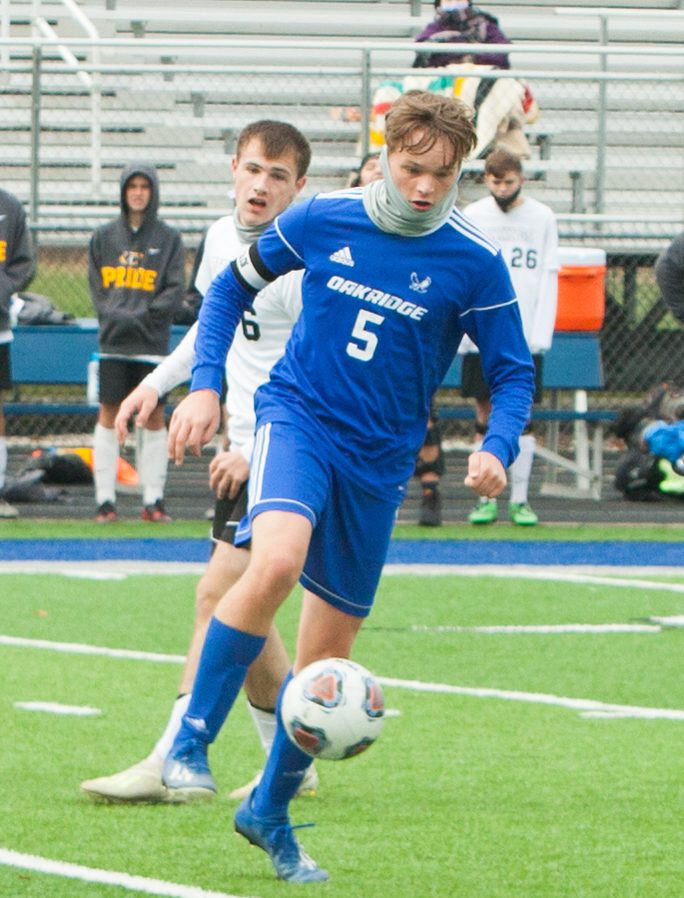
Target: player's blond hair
[[419, 118]]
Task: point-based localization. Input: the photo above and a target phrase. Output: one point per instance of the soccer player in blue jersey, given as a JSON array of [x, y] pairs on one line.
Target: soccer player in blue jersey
[[394, 276]]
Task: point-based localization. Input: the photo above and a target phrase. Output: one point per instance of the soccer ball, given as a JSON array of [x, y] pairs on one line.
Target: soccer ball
[[333, 709]]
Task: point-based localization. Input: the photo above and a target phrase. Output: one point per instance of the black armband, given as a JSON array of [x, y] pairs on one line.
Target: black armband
[[250, 271]]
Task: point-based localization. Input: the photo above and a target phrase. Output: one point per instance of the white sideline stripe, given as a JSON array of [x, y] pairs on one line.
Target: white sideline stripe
[[97, 570], [92, 874], [57, 708], [575, 704], [77, 648], [544, 628], [576, 574], [578, 704], [676, 620], [571, 573]]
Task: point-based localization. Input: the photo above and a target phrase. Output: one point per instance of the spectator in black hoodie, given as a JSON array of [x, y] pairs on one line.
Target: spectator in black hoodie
[[137, 281]]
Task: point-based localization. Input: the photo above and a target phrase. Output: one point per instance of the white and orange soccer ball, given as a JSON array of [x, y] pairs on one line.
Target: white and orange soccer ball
[[333, 709]]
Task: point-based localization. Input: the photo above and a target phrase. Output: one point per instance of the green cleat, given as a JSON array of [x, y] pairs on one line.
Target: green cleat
[[672, 483], [522, 515], [485, 512]]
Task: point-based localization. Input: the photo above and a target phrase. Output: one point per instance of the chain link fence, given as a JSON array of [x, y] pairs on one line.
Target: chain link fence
[[607, 154]]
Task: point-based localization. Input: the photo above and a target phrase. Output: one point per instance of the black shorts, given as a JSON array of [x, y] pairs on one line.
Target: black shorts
[[473, 385], [5, 366], [118, 377], [227, 515]]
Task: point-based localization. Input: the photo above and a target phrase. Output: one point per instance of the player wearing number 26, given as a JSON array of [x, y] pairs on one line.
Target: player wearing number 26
[[394, 276], [527, 233]]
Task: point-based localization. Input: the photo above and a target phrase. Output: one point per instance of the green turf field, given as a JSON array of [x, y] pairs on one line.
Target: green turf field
[[520, 765], [30, 528]]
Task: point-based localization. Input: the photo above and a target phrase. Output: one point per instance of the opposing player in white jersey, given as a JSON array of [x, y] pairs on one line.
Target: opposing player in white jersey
[[394, 276], [269, 170], [527, 232]]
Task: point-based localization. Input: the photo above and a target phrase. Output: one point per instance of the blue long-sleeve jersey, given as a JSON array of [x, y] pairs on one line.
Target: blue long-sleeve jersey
[[382, 317]]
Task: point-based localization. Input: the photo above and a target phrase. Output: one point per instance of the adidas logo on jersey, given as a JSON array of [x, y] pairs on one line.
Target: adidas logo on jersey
[[343, 256]]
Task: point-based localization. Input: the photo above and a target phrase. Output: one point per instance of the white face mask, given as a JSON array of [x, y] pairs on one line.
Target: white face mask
[[453, 5]]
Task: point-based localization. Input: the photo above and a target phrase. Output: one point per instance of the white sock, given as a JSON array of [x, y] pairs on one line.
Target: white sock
[[180, 706], [265, 723], [106, 450], [521, 469], [153, 464], [3, 461]]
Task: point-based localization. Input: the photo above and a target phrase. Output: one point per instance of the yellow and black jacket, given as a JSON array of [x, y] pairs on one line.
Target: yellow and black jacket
[[137, 277]]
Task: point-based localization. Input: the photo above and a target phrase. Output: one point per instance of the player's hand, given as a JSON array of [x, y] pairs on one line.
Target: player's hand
[[486, 475], [193, 423], [141, 402], [227, 472]]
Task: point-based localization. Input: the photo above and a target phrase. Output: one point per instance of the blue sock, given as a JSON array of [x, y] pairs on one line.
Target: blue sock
[[226, 655], [284, 771]]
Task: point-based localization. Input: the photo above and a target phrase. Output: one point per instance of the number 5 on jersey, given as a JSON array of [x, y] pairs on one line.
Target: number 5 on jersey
[[364, 341]]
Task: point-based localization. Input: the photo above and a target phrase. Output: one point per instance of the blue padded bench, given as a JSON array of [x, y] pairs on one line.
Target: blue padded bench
[[573, 363], [57, 354]]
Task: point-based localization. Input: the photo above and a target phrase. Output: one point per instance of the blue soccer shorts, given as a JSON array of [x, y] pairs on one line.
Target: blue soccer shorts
[[291, 471]]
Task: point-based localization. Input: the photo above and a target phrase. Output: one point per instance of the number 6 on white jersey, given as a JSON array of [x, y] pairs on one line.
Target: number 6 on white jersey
[[367, 341]]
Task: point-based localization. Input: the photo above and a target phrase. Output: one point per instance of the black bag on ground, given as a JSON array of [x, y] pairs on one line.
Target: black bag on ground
[[59, 467], [637, 476], [29, 487]]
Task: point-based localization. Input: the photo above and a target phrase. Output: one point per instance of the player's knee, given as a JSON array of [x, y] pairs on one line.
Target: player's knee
[[281, 571], [432, 463], [207, 597]]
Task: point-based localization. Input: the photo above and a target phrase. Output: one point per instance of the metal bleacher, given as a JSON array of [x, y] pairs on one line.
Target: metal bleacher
[[171, 92]]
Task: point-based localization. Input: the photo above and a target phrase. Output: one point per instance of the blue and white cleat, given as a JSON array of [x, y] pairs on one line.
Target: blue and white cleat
[[186, 772], [276, 837]]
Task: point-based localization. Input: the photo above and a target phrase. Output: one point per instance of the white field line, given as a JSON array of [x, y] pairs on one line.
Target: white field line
[[577, 704], [675, 620], [601, 575], [10, 858], [570, 574], [57, 708], [78, 648], [103, 570], [582, 705], [543, 629]]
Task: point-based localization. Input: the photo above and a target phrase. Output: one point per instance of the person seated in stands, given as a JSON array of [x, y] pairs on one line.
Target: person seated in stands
[[503, 105], [457, 22]]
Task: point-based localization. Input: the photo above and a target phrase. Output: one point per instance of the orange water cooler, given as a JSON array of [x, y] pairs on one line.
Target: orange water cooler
[[581, 289]]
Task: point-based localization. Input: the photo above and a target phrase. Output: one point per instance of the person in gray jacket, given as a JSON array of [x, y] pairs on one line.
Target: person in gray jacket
[[17, 267], [137, 280], [669, 270]]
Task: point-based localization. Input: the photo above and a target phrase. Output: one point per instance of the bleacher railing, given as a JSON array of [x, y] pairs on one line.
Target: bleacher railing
[[626, 100], [607, 152]]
